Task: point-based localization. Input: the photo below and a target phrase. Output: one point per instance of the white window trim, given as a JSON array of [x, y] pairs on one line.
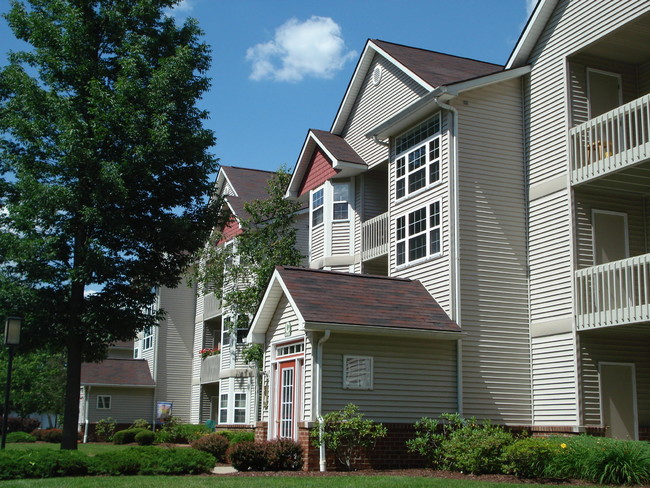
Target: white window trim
[[222, 408], [428, 256], [346, 384], [147, 338], [110, 402], [312, 209], [347, 183], [244, 408]]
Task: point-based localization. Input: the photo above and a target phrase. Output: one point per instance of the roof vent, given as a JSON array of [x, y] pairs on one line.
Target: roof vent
[[376, 75]]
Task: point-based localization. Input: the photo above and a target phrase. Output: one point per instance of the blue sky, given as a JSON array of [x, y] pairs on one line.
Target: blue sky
[[282, 67]]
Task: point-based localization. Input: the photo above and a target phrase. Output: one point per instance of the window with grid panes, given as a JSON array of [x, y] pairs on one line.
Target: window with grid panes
[[317, 207], [223, 409], [417, 160], [340, 200], [240, 408], [418, 234]]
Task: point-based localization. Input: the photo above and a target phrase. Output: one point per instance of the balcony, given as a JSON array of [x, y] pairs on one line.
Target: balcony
[[614, 141], [210, 368], [615, 293], [374, 237], [211, 306]]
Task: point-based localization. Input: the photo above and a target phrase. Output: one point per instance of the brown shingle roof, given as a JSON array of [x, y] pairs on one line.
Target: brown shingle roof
[[364, 300], [338, 147], [120, 372], [436, 68], [250, 184]]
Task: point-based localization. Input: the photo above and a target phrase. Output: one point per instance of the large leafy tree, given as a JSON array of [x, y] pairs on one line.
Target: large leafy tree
[[105, 170], [240, 273]]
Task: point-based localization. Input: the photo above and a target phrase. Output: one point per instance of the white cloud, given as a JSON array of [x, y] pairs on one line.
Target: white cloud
[[312, 48], [181, 9]]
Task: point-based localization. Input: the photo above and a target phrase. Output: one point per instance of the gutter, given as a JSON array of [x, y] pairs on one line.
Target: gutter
[[319, 397], [455, 246]]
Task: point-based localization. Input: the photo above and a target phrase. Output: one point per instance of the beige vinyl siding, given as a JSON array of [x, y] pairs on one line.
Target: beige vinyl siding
[[375, 193], [302, 236], [573, 25], [550, 257], [341, 238], [199, 343], [554, 380], [175, 345], [412, 378], [317, 243], [493, 259], [434, 272], [578, 89], [127, 404], [284, 314], [585, 203], [622, 346], [375, 104]]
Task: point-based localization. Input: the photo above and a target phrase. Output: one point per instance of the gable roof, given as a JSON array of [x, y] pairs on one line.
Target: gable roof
[[117, 372], [353, 303], [430, 69], [344, 159], [248, 184]]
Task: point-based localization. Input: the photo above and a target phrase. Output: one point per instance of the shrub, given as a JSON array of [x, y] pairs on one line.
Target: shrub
[[528, 457], [475, 448], [429, 434], [238, 437], [173, 432], [283, 455], [347, 434], [48, 435], [248, 456], [140, 424], [125, 436], [105, 429], [42, 464], [14, 437], [151, 461], [22, 424], [215, 444], [144, 438]]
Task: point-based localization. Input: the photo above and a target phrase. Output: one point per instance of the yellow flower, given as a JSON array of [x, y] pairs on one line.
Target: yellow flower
[[563, 445]]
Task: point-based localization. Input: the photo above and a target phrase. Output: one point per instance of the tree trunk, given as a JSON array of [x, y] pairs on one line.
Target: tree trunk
[[72, 389]]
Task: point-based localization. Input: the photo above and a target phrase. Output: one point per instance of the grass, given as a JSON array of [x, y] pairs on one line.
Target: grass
[[90, 448], [261, 482]]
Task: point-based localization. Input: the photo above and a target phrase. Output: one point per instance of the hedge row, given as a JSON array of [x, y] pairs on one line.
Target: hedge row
[[40, 463]]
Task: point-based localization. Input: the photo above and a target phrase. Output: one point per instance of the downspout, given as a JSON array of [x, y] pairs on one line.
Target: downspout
[[319, 396], [455, 246], [87, 401]]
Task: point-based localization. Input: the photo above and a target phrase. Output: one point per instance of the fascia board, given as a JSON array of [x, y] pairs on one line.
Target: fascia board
[[532, 31], [357, 81], [299, 171], [384, 331], [336, 163], [111, 385], [229, 182]]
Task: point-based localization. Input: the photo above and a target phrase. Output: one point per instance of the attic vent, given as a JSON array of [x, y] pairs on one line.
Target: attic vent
[[376, 75]]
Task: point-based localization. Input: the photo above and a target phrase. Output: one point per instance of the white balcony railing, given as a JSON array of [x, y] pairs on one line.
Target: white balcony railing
[[210, 368], [211, 306], [615, 293], [611, 141], [374, 237]]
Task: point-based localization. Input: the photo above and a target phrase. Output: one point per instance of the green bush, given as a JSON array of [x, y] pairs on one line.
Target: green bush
[[152, 461], [528, 457], [126, 436], [248, 456], [144, 438], [140, 424], [173, 432], [283, 455], [105, 429], [347, 434], [238, 437], [41, 463], [215, 444], [13, 437], [429, 434]]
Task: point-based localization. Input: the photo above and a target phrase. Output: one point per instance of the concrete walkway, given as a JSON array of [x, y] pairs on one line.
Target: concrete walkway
[[223, 470]]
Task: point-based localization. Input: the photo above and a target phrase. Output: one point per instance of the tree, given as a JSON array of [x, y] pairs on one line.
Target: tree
[[105, 170], [38, 381], [239, 274]]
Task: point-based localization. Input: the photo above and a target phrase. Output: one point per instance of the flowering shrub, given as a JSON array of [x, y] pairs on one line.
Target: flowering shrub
[[206, 353]]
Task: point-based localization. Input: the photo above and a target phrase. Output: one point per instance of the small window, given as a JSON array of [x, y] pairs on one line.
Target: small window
[[341, 201], [357, 372], [223, 409], [418, 234], [240, 408], [317, 207], [242, 328], [289, 349], [147, 338], [103, 402]]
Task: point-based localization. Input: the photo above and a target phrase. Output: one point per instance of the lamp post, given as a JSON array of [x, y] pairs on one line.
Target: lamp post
[[11, 340]]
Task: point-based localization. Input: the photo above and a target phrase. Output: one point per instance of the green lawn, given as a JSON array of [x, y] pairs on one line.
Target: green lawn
[[261, 482]]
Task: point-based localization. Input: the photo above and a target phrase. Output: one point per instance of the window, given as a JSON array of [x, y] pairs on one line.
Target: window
[[417, 163], [103, 402], [147, 338], [136, 353], [240, 408], [317, 207], [223, 409], [242, 328], [341, 199], [418, 234], [357, 372], [289, 349]]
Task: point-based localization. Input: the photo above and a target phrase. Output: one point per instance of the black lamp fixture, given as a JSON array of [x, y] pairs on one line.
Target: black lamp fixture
[[11, 340]]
